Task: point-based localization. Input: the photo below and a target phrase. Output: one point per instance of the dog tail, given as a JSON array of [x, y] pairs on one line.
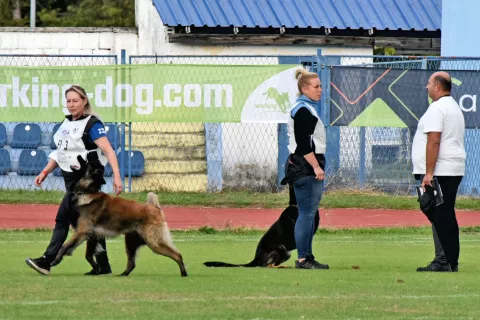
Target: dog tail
[[152, 199], [217, 264]]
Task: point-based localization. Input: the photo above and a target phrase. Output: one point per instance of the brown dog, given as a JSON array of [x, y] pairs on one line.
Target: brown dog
[[101, 214]]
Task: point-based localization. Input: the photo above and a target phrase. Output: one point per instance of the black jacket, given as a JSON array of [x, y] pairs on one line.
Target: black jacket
[[298, 167]]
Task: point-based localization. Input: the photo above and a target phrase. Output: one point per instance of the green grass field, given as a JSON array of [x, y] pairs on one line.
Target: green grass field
[[385, 286]]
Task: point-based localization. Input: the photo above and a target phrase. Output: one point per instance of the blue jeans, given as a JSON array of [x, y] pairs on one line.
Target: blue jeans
[[308, 192]]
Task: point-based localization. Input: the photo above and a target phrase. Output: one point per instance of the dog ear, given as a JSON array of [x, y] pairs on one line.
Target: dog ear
[[83, 165], [97, 176]]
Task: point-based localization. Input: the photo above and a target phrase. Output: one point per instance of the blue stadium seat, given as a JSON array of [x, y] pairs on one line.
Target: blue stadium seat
[[55, 129], [57, 172], [113, 135], [26, 136], [31, 162], [108, 170], [137, 162], [3, 135], [5, 162]]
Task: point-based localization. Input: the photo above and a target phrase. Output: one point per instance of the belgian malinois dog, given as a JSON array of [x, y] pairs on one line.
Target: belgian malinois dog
[[274, 247], [101, 214]]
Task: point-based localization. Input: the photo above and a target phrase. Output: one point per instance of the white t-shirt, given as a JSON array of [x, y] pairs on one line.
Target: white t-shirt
[[445, 116]]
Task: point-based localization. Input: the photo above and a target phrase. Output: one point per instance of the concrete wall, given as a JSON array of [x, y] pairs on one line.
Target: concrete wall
[[68, 41]]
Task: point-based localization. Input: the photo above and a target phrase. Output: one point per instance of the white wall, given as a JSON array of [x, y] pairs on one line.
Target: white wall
[[68, 41]]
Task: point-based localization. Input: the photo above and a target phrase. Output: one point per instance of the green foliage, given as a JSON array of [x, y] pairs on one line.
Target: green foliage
[[73, 13], [384, 51], [7, 9]]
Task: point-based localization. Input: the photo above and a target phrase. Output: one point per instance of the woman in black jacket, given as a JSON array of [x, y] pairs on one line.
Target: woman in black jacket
[[81, 133], [305, 168]]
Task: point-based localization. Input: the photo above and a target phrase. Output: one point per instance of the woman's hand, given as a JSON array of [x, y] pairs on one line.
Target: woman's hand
[[319, 173], [107, 150], [117, 185], [40, 178]]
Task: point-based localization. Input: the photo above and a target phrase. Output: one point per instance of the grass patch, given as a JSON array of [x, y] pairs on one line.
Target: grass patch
[[372, 276], [332, 199]]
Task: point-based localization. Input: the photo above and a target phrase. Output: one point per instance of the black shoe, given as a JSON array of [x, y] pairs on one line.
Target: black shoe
[[310, 263], [41, 265], [435, 266], [99, 272]]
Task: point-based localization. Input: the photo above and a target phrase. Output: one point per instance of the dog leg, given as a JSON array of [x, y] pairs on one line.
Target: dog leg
[[158, 239], [133, 241], [76, 240], [90, 252], [170, 252], [277, 256]]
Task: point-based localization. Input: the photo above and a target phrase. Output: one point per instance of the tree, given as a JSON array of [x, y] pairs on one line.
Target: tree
[[384, 51], [14, 12], [69, 13], [92, 13]]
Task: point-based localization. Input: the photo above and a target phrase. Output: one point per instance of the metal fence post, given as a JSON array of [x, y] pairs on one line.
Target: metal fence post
[[362, 160], [332, 156], [122, 133], [214, 153]]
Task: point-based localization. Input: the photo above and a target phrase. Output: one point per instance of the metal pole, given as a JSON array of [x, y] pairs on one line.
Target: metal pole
[[33, 13]]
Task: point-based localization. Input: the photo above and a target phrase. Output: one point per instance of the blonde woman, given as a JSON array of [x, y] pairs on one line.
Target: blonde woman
[[305, 168], [81, 133]]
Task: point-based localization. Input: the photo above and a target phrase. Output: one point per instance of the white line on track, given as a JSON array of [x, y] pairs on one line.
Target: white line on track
[[240, 298]]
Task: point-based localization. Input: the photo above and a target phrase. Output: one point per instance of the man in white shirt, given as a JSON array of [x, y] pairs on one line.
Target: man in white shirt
[[438, 151]]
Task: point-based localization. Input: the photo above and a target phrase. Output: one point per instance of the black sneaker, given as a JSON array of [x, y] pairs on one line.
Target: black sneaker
[[310, 264], [41, 265], [435, 266], [99, 272]]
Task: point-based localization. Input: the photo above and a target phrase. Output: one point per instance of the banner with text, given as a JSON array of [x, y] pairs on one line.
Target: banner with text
[[369, 97], [162, 93]]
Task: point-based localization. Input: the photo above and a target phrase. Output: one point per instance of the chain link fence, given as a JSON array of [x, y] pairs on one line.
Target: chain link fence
[[26, 145], [214, 156], [365, 154], [210, 156]]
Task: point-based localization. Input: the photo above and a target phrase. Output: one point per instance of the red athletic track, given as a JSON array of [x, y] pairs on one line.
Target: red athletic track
[[37, 216]]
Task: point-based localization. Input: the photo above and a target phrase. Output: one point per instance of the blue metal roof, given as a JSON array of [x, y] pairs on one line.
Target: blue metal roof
[[341, 14]]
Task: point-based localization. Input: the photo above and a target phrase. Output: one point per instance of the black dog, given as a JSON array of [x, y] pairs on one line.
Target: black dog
[[275, 245]]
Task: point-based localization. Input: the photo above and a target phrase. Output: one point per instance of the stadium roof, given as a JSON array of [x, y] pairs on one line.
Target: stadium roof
[[406, 15]]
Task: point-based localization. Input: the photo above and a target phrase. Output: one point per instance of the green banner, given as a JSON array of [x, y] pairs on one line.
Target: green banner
[[145, 93]]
